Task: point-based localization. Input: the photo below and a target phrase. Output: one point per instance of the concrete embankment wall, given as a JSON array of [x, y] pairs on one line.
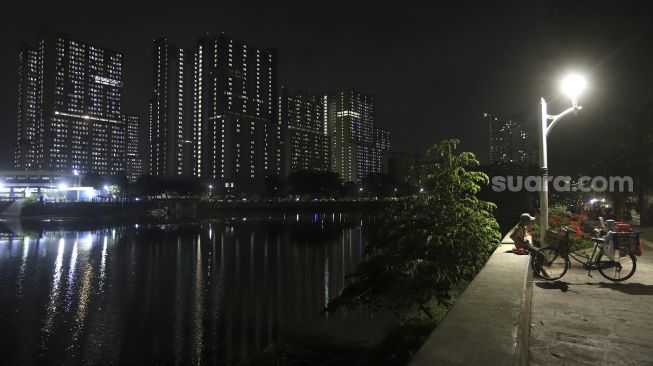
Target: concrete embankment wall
[[489, 324]]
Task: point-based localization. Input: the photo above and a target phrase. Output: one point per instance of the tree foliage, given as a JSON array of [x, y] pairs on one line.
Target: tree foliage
[[422, 245]]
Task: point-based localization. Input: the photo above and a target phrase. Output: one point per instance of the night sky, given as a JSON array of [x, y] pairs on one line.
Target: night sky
[[434, 69]]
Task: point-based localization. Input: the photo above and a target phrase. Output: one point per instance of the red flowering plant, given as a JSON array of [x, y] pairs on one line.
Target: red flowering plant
[[560, 217]]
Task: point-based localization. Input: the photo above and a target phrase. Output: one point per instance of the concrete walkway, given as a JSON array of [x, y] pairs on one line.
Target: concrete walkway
[[583, 320]]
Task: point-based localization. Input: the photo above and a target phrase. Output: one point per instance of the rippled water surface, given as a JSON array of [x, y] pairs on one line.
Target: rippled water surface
[[215, 292]]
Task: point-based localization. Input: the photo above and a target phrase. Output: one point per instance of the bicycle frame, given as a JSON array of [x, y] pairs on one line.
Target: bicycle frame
[[589, 262]]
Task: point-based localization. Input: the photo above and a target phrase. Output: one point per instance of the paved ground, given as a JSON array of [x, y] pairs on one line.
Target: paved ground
[[585, 320]]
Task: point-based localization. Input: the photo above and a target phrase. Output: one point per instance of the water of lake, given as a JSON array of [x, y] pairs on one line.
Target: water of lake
[[218, 291]]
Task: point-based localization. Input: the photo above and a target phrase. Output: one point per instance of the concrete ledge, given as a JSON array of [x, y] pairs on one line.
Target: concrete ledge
[[489, 324]]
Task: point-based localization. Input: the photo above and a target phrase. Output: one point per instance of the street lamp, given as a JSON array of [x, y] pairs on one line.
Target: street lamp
[[572, 85], [210, 190]]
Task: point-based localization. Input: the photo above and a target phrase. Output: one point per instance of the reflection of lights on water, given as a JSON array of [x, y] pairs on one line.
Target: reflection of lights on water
[[103, 261], [82, 306], [71, 276], [23, 266], [326, 282], [198, 329], [87, 242], [25, 249], [210, 232], [54, 291], [113, 234], [297, 218]]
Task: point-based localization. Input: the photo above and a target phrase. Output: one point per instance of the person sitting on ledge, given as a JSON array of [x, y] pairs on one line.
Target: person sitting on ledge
[[520, 236]]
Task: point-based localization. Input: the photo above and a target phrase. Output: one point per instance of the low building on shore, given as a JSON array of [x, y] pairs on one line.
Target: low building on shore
[[44, 186]]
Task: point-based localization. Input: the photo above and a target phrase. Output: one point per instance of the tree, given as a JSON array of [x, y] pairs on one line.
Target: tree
[[422, 245]]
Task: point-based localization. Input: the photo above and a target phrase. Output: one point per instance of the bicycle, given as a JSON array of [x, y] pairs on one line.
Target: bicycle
[[552, 262]]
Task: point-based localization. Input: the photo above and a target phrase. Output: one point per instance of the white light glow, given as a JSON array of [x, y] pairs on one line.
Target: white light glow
[[573, 85]]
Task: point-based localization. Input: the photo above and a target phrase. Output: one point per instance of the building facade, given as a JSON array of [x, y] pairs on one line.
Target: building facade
[[70, 107], [171, 112], [353, 135], [382, 146], [305, 143], [511, 141], [133, 160], [235, 103]]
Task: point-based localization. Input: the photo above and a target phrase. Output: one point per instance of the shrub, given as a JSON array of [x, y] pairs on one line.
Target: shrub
[[421, 246]]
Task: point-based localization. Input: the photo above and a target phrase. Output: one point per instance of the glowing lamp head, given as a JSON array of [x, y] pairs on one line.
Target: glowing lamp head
[[62, 186], [573, 85]]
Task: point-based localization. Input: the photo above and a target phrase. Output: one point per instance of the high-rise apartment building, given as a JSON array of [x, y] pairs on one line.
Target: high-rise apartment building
[[70, 107], [133, 160], [304, 132], [171, 112], [213, 112], [236, 130], [351, 127], [382, 145], [510, 141]]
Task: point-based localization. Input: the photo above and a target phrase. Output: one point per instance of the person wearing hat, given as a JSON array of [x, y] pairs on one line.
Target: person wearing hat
[[520, 236]]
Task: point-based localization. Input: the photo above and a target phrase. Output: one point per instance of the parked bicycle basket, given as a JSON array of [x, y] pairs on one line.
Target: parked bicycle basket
[[553, 239], [625, 242]]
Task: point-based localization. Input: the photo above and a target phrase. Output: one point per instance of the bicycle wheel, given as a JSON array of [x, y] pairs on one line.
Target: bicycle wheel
[[617, 270], [549, 264]]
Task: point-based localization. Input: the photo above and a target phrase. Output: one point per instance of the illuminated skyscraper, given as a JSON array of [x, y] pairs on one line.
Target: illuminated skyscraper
[[382, 145], [133, 160], [171, 117], [236, 130], [304, 132], [354, 137], [70, 107], [510, 141]]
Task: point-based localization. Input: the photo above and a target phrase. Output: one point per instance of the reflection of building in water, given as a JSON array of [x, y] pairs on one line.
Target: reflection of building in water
[[216, 292]]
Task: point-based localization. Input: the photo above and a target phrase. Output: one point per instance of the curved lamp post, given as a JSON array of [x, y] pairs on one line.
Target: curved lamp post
[[572, 85]]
